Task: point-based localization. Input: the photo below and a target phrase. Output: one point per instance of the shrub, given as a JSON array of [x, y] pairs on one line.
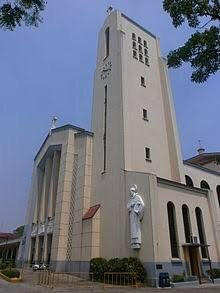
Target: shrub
[[3, 266], [215, 273], [178, 278], [98, 266], [11, 273]]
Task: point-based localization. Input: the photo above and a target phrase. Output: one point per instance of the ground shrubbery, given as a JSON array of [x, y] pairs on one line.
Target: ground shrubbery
[[3, 266], [11, 273], [178, 278], [215, 273], [98, 266]]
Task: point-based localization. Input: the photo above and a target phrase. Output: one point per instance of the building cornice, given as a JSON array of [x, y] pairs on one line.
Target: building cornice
[[201, 168], [181, 186], [138, 25]]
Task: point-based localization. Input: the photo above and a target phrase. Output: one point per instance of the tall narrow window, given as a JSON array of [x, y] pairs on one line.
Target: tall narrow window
[[143, 81], [204, 185], [141, 58], [189, 181], [107, 42], [172, 230], [145, 52], [201, 231], [147, 154], [135, 54], [218, 193], [186, 223], [105, 128], [145, 116]]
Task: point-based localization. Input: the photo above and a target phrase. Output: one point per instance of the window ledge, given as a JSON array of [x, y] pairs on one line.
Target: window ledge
[[135, 57], [145, 119], [144, 85], [141, 61], [176, 261], [148, 160], [204, 260]]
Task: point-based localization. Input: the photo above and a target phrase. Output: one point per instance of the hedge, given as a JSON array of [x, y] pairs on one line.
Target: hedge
[[215, 273], [178, 278], [98, 266], [11, 273]]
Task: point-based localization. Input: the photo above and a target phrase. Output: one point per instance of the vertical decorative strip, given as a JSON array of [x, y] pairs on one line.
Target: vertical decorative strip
[[72, 204]]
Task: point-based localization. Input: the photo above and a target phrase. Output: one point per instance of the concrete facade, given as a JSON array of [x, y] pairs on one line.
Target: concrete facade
[[81, 180]]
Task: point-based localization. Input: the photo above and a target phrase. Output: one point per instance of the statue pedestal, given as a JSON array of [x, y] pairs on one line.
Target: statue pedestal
[[136, 245]]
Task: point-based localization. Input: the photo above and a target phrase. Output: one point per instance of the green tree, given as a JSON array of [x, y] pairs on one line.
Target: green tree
[[19, 231], [14, 13], [202, 49]]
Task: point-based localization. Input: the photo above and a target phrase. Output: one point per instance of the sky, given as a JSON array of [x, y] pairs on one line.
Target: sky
[[49, 70]]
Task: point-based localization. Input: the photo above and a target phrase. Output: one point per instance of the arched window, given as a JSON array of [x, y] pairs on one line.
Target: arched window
[[201, 231], [186, 223], [218, 193], [107, 42], [172, 229], [204, 185], [189, 181]]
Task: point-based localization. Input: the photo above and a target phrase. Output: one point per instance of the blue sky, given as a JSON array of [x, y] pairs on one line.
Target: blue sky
[[48, 71]]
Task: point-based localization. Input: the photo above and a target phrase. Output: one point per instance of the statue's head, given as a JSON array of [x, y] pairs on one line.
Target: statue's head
[[133, 190]]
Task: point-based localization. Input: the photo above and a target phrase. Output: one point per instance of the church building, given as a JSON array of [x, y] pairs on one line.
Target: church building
[[123, 189]]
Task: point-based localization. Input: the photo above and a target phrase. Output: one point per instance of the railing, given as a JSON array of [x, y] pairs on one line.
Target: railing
[[120, 279], [57, 279]]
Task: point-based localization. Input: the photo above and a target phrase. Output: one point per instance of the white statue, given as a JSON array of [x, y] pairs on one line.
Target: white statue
[[135, 208]]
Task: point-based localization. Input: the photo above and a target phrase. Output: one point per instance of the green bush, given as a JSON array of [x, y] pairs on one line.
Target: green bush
[[215, 273], [98, 266], [3, 266], [11, 273], [178, 278]]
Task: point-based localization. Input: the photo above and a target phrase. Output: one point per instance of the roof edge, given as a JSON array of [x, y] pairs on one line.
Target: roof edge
[[201, 168], [57, 129], [138, 25]]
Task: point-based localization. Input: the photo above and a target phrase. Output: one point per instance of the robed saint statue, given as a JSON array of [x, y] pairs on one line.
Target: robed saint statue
[[135, 208]]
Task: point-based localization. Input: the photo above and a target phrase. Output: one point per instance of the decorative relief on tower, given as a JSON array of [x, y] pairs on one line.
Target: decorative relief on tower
[[106, 69], [41, 228], [34, 230], [135, 208], [140, 49], [50, 226], [72, 206]]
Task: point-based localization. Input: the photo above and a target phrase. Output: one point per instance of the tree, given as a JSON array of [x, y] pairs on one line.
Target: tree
[[19, 231], [202, 49], [13, 13]]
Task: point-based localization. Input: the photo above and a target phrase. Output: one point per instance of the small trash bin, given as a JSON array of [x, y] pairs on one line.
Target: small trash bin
[[164, 280]]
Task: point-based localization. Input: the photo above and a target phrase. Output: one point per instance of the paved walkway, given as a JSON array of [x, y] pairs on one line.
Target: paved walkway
[[6, 287]]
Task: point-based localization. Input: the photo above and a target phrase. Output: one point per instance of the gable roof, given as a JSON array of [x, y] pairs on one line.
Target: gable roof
[[61, 128]]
